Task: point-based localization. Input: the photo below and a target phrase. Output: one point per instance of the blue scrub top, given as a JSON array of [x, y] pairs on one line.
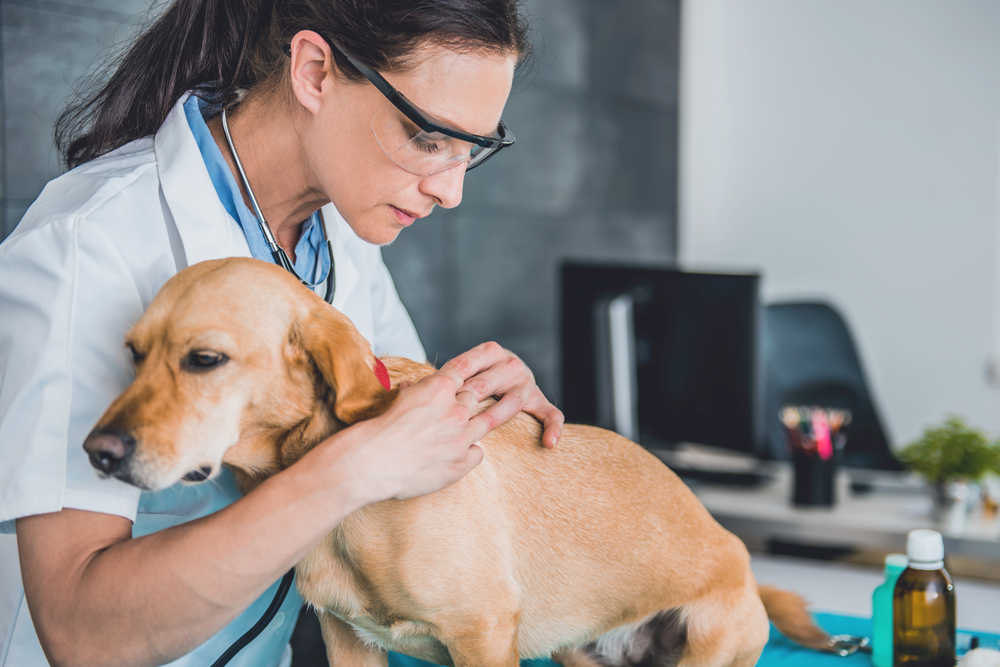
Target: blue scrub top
[[312, 263], [182, 503]]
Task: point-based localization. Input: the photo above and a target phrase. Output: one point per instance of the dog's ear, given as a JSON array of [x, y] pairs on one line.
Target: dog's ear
[[346, 363]]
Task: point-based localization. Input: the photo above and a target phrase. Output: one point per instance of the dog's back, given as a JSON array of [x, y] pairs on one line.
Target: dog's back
[[591, 535], [622, 538]]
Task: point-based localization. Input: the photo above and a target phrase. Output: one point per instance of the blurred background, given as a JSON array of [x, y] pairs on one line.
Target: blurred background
[[838, 153], [594, 173], [847, 151]]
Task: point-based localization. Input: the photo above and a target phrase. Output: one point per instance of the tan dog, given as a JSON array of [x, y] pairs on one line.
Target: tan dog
[[594, 551]]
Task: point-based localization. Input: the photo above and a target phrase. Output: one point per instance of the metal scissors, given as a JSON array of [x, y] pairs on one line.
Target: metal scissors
[[845, 645]]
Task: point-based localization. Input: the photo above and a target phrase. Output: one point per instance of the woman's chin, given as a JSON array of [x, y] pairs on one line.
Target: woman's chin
[[384, 236], [377, 232]]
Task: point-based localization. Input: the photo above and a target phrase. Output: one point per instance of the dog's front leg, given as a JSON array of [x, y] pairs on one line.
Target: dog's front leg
[[489, 643], [343, 647]]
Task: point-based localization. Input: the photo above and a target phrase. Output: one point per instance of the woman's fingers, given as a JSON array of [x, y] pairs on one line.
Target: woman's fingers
[[552, 420], [477, 359], [473, 457], [504, 376], [446, 379], [490, 370], [514, 383], [499, 413], [467, 399]]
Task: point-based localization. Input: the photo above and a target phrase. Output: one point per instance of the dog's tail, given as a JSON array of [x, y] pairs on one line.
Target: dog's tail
[[788, 612]]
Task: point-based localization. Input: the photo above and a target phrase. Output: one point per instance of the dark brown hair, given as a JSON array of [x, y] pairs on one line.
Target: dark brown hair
[[228, 45]]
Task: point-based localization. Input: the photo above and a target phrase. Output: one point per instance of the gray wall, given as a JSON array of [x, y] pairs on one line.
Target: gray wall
[[48, 47], [867, 137], [593, 174]]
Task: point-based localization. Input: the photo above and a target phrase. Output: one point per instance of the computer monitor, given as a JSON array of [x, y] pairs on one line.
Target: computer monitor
[[663, 356]]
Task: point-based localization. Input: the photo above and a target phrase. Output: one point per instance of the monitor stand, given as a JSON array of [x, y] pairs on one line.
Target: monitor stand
[[703, 465], [615, 365]]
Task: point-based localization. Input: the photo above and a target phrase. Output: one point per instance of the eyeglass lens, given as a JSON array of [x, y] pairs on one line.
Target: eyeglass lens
[[418, 151]]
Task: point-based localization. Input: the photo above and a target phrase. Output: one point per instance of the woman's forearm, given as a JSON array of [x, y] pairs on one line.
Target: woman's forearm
[[152, 599]]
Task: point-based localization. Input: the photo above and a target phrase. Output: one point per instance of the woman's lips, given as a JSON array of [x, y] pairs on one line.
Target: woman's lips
[[405, 217]]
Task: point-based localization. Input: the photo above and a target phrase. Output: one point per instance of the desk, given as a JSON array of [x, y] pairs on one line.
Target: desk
[[780, 652], [875, 521], [846, 589]]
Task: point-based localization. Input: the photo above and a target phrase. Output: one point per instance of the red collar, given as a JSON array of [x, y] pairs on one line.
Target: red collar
[[382, 373]]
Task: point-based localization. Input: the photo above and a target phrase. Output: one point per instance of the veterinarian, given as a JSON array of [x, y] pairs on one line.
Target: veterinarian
[[325, 126]]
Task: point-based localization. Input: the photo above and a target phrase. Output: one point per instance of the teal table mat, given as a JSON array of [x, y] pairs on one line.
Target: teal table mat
[[781, 652]]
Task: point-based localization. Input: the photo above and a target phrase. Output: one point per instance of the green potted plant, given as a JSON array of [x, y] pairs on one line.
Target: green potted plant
[[951, 452]]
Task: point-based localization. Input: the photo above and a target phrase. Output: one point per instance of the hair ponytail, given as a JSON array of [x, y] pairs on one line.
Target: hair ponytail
[[193, 43], [226, 46]]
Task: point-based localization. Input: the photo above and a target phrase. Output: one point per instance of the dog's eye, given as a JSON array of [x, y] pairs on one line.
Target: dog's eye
[[137, 356], [203, 360]]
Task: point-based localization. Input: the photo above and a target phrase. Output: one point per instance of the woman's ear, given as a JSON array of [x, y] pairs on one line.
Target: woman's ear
[[311, 62], [346, 363]]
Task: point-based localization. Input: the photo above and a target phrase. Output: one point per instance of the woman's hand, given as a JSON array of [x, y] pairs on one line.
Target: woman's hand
[[426, 440], [491, 370]]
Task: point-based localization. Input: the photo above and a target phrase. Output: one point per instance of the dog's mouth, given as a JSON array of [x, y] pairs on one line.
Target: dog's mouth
[[199, 474], [124, 476]]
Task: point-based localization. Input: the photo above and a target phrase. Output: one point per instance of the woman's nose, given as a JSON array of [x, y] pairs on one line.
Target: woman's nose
[[445, 186]]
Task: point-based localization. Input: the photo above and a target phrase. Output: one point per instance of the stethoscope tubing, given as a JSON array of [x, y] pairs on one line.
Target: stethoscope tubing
[[279, 256], [281, 259]]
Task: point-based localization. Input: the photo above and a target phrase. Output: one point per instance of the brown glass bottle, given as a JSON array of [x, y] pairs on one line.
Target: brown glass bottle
[[923, 608]]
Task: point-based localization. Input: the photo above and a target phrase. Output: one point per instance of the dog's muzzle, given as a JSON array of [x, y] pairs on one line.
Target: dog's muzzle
[[109, 451]]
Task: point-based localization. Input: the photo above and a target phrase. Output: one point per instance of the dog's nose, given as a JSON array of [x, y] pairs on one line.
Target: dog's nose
[[108, 450]]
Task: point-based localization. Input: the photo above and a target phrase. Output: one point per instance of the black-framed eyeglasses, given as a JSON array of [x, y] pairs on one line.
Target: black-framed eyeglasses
[[427, 147]]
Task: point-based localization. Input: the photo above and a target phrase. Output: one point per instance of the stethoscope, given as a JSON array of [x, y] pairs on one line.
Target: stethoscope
[[277, 252], [282, 260]]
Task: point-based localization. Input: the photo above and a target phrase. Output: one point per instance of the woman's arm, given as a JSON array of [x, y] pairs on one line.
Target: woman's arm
[[98, 597]]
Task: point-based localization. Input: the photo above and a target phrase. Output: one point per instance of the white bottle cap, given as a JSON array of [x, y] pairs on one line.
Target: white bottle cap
[[925, 549]]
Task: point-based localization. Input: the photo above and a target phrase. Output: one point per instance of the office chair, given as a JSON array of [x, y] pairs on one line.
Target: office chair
[[810, 358]]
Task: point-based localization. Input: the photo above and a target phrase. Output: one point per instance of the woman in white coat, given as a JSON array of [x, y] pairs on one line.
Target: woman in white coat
[[350, 120]]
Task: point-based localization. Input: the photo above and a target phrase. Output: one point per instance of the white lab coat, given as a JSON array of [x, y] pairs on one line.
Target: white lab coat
[[77, 272]]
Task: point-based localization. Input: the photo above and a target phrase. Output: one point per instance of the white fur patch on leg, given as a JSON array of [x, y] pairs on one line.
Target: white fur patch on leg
[[625, 643], [661, 637]]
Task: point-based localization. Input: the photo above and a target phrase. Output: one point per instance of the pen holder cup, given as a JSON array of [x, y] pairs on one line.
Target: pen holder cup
[[813, 480], [815, 436]]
